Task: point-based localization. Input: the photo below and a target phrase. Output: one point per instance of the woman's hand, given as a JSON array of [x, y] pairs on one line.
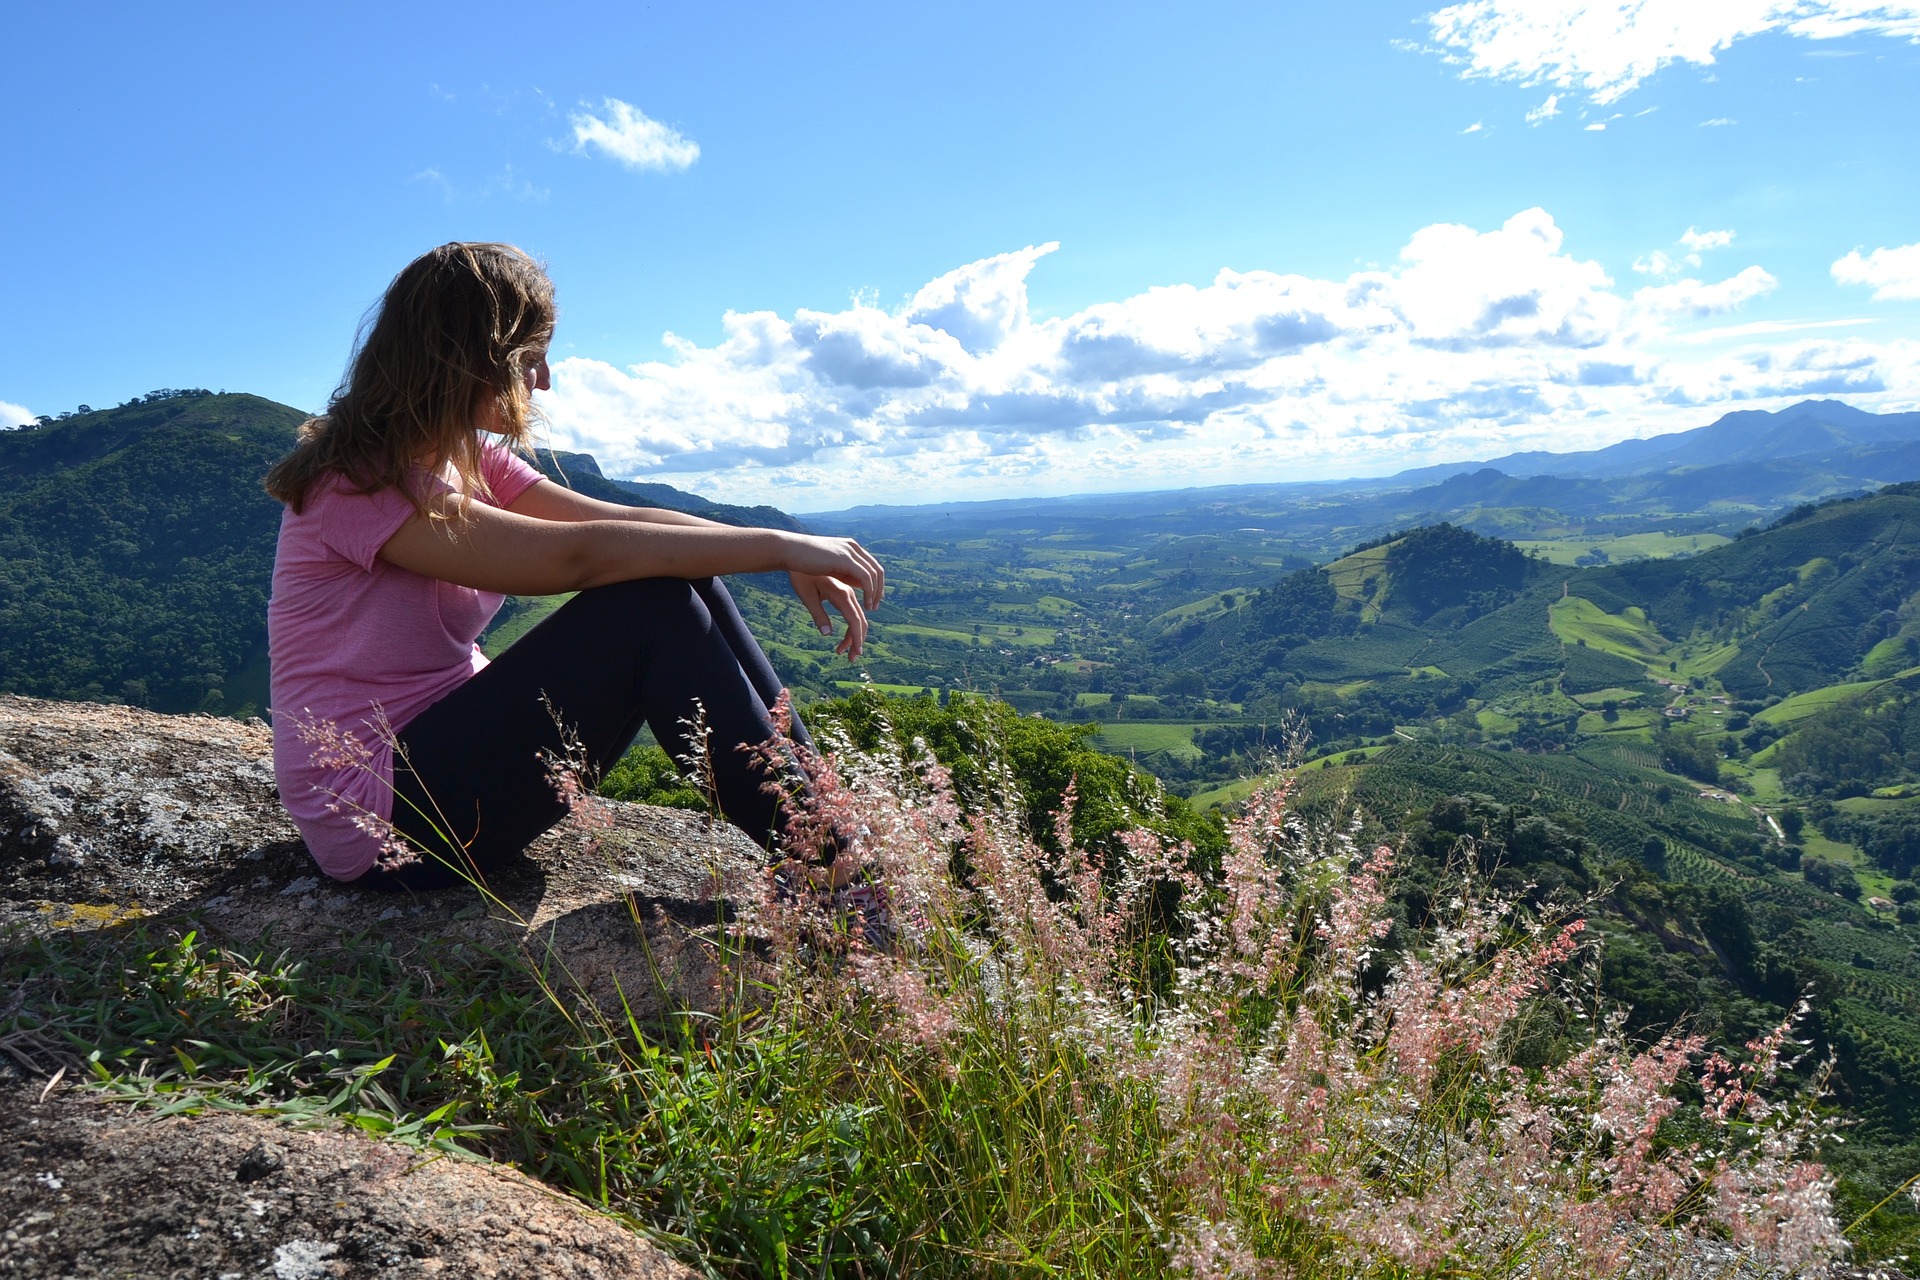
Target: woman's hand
[[842, 573], [817, 591]]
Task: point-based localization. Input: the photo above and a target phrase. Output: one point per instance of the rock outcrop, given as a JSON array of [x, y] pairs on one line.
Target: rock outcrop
[[108, 814], [92, 1189]]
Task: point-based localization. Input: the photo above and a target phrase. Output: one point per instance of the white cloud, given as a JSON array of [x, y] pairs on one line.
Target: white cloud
[[1475, 127], [1470, 343], [1546, 110], [1718, 122], [14, 415], [630, 136], [1694, 299], [1701, 241], [1757, 328], [1597, 127], [1694, 241], [1892, 274], [1607, 48]]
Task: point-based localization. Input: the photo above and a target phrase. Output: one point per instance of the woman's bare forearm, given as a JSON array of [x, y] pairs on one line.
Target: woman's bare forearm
[[546, 500], [504, 551], [607, 551]]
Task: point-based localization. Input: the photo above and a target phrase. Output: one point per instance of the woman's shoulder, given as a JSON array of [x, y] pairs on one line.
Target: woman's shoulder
[[348, 519], [507, 474]]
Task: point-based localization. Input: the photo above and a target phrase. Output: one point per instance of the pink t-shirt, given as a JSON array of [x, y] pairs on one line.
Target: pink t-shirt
[[351, 637]]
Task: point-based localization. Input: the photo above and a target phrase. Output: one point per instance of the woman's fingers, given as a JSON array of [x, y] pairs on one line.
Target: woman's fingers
[[871, 577], [857, 565], [816, 592], [843, 598], [807, 589]]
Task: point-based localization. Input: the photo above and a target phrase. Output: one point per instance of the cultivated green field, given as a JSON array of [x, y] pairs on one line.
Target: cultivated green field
[[1631, 546], [1147, 736], [1801, 705], [1627, 634]]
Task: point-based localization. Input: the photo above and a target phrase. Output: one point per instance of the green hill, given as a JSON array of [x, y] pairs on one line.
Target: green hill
[[136, 551]]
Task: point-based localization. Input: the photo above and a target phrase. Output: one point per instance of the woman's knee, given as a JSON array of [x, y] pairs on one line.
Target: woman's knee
[[644, 602]]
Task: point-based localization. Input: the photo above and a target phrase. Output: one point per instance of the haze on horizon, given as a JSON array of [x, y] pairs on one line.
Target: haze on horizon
[[863, 254]]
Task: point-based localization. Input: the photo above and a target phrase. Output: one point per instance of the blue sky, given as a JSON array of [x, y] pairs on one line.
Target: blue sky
[[819, 255]]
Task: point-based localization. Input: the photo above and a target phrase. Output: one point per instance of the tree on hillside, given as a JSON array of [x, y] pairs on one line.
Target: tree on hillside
[[1442, 565], [1301, 605]]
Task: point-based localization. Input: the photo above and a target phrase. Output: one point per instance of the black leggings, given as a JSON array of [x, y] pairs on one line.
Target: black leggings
[[608, 660]]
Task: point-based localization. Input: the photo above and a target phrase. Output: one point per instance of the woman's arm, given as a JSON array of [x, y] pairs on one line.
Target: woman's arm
[[546, 500], [515, 554]]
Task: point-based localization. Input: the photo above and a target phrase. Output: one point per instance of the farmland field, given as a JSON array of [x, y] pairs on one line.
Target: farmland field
[[1627, 634], [1631, 546], [1146, 737]]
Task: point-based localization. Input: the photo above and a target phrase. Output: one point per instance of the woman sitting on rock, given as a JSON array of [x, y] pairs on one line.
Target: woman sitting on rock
[[408, 518]]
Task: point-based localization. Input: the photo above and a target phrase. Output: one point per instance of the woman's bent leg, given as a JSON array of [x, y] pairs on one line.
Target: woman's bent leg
[[472, 783], [753, 660]]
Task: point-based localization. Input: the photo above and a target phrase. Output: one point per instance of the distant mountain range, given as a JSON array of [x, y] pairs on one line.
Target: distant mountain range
[[1824, 429], [1743, 468]]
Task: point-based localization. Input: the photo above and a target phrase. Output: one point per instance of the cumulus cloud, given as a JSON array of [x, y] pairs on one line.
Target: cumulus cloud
[[1605, 49], [1545, 111], [624, 133], [1696, 242], [1468, 343], [1693, 299], [1701, 241], [1892, 274], [13, 415]]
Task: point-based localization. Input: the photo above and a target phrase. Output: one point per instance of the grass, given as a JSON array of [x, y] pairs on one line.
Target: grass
[[1801, 705], [1627, 634], [1350, 574], [1028, 1089], [1338, 759], [1012, 634], [1496, 722], [526, 613], [1599, 696], [1697, 664], [1231, 793], [1870, 806], [1630, 546], [896, 690], [1146, 737], [1026, 1086]]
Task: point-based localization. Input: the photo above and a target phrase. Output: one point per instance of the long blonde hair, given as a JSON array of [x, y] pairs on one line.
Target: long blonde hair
[[448, 350]]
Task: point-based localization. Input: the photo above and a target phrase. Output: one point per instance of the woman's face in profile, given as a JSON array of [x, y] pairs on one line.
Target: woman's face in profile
[[538, 376]]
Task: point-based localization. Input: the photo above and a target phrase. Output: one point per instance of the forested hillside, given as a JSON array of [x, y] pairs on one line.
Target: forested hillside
[[136, 550]]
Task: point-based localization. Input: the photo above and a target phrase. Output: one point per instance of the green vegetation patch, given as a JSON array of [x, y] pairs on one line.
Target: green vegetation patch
[[1631, 546], [1146, 737], [1626, 634], [1802, 705]]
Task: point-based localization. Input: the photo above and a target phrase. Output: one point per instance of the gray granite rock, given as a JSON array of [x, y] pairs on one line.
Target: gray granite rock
[[109, 813]]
